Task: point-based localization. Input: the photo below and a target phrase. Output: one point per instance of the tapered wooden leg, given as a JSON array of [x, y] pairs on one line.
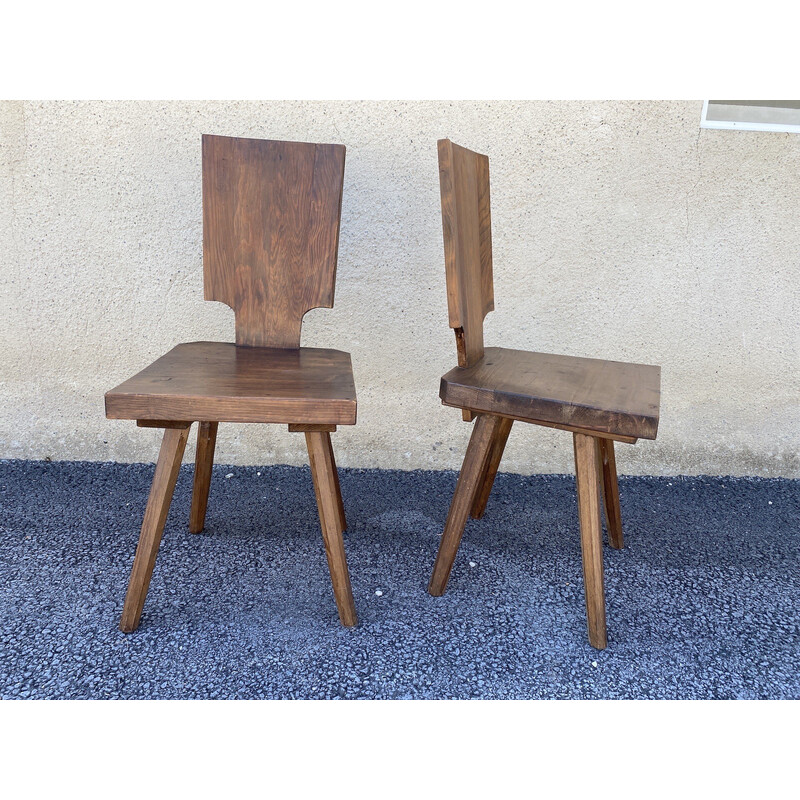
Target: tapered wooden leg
[[203, 462], [155, 515], [610, 491], [338, 492], [490, 472], [587, 474], [472, 470], [323, 472]]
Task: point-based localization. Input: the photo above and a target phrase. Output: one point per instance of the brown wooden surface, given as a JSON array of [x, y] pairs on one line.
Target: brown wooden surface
[[499, 440], [466, 223], [587, 478], [326, 488], [270, 232], [217, 381], [203, 462], [468, 484], [592, 394], [607, 464], [556, 426], [155, 516]]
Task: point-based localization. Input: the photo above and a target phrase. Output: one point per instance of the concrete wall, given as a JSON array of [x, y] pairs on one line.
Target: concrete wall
[[621, 231]]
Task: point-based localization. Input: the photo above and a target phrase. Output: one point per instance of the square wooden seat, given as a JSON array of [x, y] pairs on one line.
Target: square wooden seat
[[598, 401], [607, 397], [220, 382], [271, 213]]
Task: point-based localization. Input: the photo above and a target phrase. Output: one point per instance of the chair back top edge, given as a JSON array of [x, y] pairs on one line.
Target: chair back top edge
[[467, 229], [271, 215]]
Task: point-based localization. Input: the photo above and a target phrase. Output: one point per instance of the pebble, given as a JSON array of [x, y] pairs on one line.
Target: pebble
[[229, 475], [378, 593], [473, 564]]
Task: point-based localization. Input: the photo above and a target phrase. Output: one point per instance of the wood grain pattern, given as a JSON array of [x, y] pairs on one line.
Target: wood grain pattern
[[217, 381], [467, 228], [472, 470], [155, 516], [271, 215], [587, 478], [607, 396], [326, 484], [607, 464], [499, 440], [203, 462]]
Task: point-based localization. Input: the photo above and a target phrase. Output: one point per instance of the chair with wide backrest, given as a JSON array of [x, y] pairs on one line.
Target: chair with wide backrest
[[598, 401], [271, 214]]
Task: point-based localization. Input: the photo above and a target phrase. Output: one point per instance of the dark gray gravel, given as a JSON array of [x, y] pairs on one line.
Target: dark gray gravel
[[703, 602]]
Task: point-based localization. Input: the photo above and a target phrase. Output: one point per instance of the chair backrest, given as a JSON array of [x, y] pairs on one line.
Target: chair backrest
[[467, 224], [271, 214]]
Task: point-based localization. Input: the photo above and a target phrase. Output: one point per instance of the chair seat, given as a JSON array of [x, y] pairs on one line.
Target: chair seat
[[605, 396], [221, 382]]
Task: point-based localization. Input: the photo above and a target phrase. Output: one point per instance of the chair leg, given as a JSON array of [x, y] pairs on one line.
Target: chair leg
[[203, 462], [337, 490], [323, 472], [610, 490], [587, 475], [472, 470], [490, 472], [155, 516]]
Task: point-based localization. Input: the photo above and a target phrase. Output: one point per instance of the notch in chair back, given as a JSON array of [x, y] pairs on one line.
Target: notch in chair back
[[271, 213], [467, 227]]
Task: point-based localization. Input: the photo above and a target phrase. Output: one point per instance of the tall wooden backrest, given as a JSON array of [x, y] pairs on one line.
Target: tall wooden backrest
[[271, 215], [464, 184]]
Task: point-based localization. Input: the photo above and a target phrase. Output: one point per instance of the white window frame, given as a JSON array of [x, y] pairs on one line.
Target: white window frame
[[736, 125]]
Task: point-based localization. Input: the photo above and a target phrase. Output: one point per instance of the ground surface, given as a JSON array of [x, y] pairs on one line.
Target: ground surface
[[704, 601]]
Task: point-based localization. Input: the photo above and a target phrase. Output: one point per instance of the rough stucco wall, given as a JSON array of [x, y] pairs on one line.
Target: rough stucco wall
[[621, 231]]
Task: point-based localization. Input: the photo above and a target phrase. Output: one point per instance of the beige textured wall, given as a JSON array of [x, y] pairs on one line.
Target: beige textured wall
[[621, 231]]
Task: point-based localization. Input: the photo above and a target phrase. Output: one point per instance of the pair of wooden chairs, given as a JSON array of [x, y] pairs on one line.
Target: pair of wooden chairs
[[271, 214]]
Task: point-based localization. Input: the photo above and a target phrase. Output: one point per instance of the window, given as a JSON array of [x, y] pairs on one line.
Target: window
[[752, 115]]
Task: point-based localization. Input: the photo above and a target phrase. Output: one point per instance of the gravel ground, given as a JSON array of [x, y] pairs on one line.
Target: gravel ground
[[703, 602]]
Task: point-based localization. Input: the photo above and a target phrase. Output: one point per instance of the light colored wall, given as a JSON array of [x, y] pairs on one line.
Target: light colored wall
[[621, 231]]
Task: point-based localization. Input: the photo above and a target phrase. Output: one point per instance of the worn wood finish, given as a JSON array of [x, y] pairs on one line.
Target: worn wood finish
[[203, 462], [217, 381], [607, 465], [326, 488], [472, 470], [467, 228], [587, 479], [155, 516], [271, 215], [342, 520], [492, 464], [556, 426], [293, 428], [606, 396], [598, 401]]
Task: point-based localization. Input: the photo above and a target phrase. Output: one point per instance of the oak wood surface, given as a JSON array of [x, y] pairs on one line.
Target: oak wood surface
[[155, 516], [472, 470], [326, 488], [554, 425], [587, 481], [217, 381], [271, 215], [203, 462], [607, 465], [499, 440], [608, 396], [467, 229]]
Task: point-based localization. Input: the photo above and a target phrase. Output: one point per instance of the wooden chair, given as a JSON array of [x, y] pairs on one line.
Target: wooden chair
[[271, 215], [599, 402]]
